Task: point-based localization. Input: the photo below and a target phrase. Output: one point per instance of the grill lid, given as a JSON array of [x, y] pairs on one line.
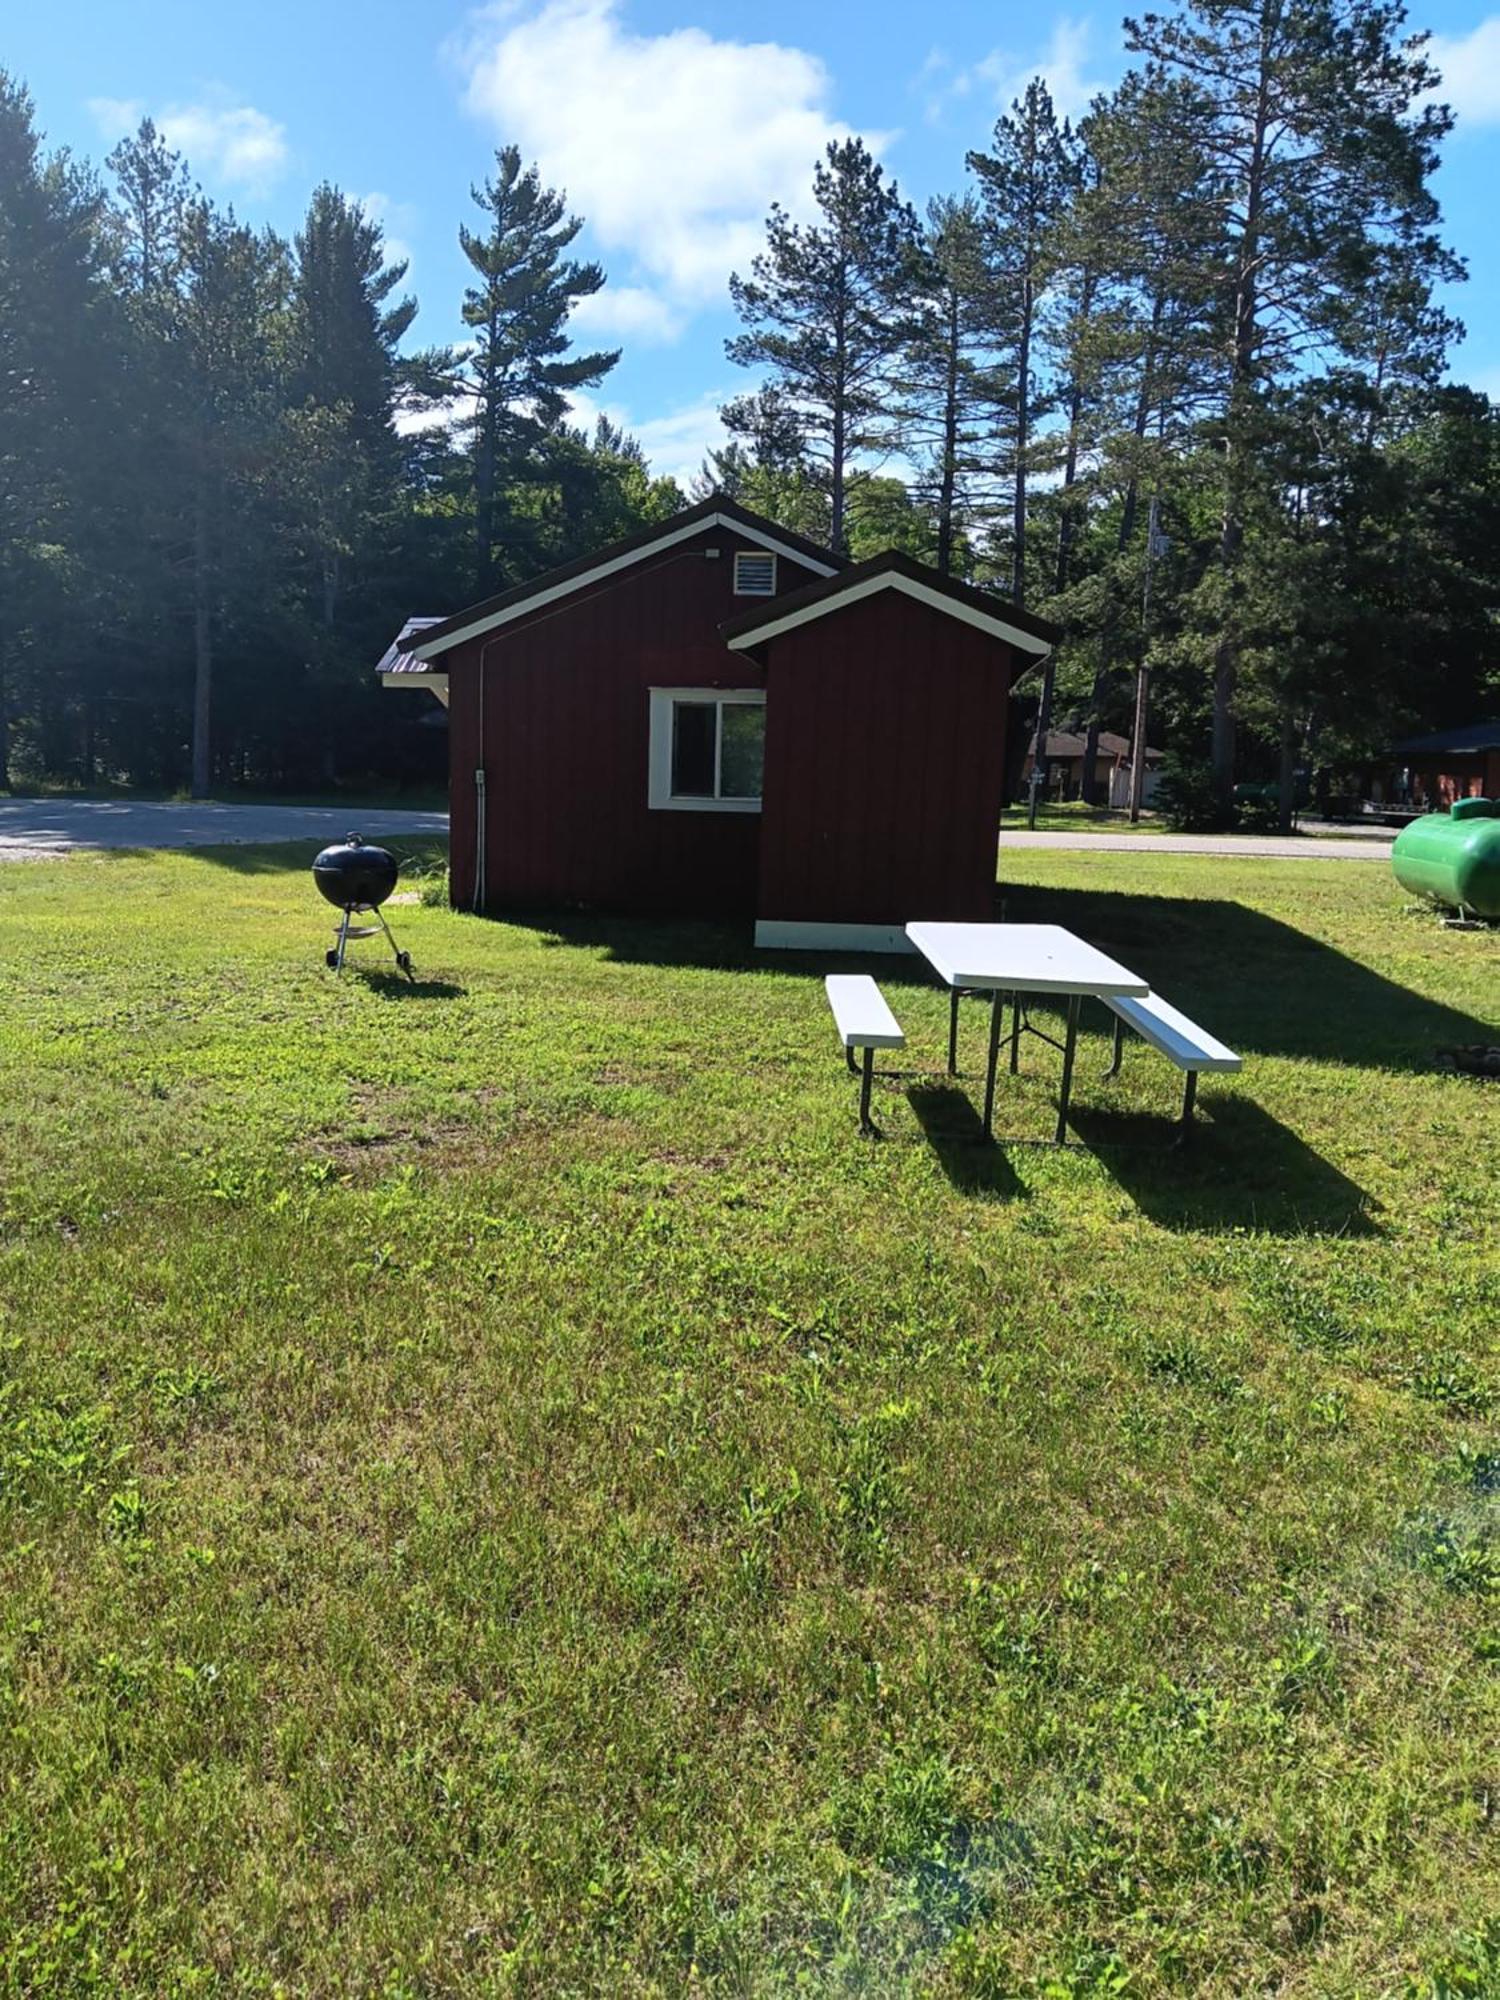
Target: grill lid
[[352, 875]]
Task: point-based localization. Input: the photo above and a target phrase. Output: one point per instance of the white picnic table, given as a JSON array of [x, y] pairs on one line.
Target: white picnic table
[[1019, 959]]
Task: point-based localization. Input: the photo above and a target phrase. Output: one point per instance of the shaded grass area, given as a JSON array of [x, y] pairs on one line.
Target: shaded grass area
[[504, 1491]]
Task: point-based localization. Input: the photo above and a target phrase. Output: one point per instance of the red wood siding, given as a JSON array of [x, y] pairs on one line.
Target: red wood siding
[[566, 734], [885, 765]]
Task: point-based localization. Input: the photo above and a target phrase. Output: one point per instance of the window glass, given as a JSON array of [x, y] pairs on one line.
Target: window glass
[[743, 754], [693, 749]]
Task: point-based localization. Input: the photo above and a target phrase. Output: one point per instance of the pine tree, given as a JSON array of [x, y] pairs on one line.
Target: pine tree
[[820, 306], [152, 191], [343, 383], [1312, 113], [225, 342], [54, 314], [1025, 184], [951, 389], [519, 371]]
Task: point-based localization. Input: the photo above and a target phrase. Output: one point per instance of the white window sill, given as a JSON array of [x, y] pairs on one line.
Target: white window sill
[[705, 805]]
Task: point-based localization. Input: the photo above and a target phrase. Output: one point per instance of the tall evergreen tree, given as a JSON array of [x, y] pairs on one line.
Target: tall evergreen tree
[[1316, 118], [226, 341], [519, 371], [1025, 184], [343, 382], [820, 308], [951, 388], [54, 310]]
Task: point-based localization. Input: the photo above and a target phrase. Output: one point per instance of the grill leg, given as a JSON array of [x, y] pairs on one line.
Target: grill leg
[[403, 958], [866, 1075], [1114, 1068], [343, 940], [1075, 1001], [997, 1016], [953, 1032]]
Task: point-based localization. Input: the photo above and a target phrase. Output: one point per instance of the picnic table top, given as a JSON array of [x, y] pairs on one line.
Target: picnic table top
[[1023, 958]]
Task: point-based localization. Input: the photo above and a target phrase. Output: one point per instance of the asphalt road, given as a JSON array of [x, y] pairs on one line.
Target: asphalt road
[[1248, 846], [39, 829]]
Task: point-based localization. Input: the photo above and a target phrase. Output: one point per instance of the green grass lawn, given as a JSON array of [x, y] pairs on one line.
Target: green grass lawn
[[501, 1490], [1072, 816]]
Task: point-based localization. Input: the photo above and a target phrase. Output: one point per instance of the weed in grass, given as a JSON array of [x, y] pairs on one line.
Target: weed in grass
[[1471, 1971], [1462, 1556], [1480, 1466], [1290, 1308], [1450, 1379]]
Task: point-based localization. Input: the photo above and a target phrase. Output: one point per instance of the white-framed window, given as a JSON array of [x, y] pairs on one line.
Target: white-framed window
[[754, 573], [708, 749]]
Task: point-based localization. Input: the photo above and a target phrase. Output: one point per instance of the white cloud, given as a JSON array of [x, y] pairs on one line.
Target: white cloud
[[673, 146], [1064, 67], [634, 312], [1470, 66], [116, 117], [220, 139], [676, 442]]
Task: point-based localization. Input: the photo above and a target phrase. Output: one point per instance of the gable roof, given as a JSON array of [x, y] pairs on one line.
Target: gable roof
[[1456, 742], [717, 511], [398, 657], [893, 571]]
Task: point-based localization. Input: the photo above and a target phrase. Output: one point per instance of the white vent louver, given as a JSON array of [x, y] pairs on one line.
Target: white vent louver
[[754, 573]]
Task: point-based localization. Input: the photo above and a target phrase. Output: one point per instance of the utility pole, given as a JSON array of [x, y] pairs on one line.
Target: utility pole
[[1156, 544]]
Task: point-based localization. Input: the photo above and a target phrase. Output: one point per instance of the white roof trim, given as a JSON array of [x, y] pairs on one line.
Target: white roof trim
[[967, 614], [434, 683], [666, 540]]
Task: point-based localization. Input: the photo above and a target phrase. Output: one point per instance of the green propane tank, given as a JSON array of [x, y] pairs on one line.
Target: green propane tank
[[1454, 857]]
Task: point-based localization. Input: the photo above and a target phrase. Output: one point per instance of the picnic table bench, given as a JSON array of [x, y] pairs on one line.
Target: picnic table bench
[[864, 1021], [1172, 1034]]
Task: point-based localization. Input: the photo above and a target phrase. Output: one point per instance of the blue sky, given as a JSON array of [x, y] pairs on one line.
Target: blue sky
[[672, 126]]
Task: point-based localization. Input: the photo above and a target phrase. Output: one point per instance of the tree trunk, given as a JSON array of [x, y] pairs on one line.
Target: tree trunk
[[1088, 784], [1242, 372], [1040, 767], [203, 651], [836, 483], [1286, 800], [949, 481], [4, 721], [1023, 438]]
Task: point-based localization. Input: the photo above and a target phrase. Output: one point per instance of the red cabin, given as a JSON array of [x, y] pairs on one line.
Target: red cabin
[[719, 718]]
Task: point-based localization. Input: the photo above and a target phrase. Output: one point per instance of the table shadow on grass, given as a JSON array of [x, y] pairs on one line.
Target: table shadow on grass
[[1239, 1169], [1262, 986], [955, 1131]]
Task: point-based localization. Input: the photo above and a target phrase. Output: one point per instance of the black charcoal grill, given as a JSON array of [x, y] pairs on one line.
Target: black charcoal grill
[[356, 877]]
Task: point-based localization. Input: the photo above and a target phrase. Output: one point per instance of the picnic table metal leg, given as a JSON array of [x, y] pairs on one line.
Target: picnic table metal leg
[[1114, 1068], [953, 1032], [1189, 1097], [1015, 1032], [997, 1016], [1075, 1001], [866, 1076]]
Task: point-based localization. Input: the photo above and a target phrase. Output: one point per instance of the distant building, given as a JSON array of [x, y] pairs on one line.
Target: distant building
[[1450, 764], [1065, 755]]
